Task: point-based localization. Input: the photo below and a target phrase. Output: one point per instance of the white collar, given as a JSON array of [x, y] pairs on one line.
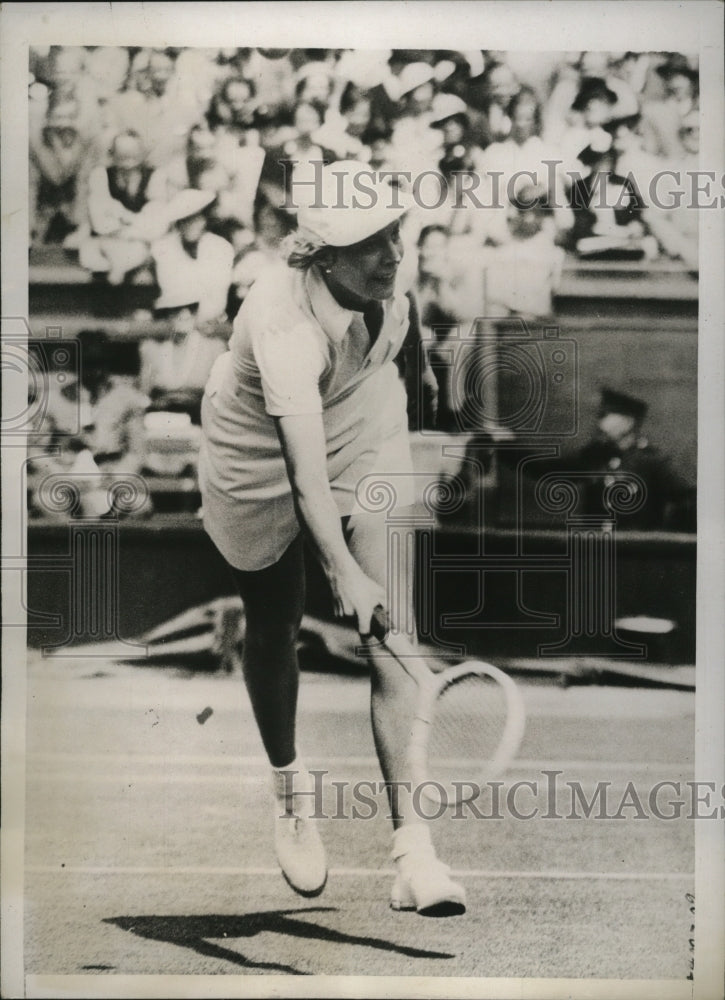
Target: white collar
[[335, 319]]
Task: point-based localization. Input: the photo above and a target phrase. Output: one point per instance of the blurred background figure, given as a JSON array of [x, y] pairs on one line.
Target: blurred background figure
[[662, 118], [460, 151], [585, 139], [190, 257], [376, 139], [123, 220], [449, 297], [289, 169], [670, 217], [157, 107], [186, 170], [315, 82], [231, 115], [523, 272], [344, 129], [522, 158], [60, 161], [414, 143], [175, 365], [60, 454], [489, 95], [630, 159], [116, 438], [618, 446], [230, 171]]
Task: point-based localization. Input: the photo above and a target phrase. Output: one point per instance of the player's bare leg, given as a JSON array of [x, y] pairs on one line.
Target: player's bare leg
[[422, 882]]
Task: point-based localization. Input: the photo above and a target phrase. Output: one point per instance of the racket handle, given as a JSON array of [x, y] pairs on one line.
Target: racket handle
[[380, 624]]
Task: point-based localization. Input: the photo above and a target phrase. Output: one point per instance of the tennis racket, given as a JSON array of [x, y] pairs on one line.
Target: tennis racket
[[468, 725]]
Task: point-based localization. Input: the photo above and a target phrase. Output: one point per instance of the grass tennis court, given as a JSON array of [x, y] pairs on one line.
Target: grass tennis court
[[148, 846]]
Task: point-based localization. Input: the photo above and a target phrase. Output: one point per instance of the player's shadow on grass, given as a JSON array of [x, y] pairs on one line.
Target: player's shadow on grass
[[200, 934]]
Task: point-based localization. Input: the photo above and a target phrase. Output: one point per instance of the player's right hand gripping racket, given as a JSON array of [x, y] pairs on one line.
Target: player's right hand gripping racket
[[468, 725]]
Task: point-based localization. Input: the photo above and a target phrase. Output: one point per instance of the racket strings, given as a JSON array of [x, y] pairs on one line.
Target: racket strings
[[465, 734]]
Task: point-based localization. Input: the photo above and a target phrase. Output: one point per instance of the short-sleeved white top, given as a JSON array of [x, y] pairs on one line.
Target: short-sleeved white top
[[295, 350]]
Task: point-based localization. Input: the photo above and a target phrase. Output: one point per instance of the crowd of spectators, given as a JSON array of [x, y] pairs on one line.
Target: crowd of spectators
[[182, 167], [115, 133]]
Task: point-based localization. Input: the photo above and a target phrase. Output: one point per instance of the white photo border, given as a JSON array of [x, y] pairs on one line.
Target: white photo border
[[659, 25]]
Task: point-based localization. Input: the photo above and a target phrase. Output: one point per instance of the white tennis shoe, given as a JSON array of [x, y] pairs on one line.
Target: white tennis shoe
[[301, 854], [297, 842], [423, 883]]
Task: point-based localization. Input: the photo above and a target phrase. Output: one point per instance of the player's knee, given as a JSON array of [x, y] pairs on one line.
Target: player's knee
[[275, 639]]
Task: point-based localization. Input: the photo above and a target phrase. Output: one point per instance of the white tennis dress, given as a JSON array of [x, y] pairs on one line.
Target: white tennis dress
[[295, 350]]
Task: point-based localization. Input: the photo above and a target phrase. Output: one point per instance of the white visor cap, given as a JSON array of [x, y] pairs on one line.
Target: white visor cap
[[350, 202]]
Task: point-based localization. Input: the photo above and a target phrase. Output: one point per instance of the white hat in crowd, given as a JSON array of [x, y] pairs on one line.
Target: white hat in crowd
[[187, 203], [447, 106], [414, 75], [177, 295]]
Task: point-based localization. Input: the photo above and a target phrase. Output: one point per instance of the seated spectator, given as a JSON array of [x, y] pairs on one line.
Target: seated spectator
[[234, 183], [231, 114], [342, 131], [190, 257], [159, 109], [116, 439], [199, 75], [466, 66], [138, 72], [563, 86], [175, 367], [460, 152], [60, 453], [608, 215], [584, 141], [60, 159], [383, 91], [108, 67], [521, 158], [489, 95], [376, 139], [183, 171], [414, 143], [123, 221], [448, 291], [631, 68], [289, 170], [523, 273], [231, 173], [314, 84], [611, 202], [272, 74], [271, 223], [302, 152], [662, 119], [670, 219], [630, 158], [67, 76]]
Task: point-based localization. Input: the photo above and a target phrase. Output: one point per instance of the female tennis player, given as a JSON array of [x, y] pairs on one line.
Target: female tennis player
[[305, 404]]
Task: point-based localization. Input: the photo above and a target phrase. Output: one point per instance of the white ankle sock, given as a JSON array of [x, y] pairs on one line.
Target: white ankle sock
[[292, 778], [411, 837]]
